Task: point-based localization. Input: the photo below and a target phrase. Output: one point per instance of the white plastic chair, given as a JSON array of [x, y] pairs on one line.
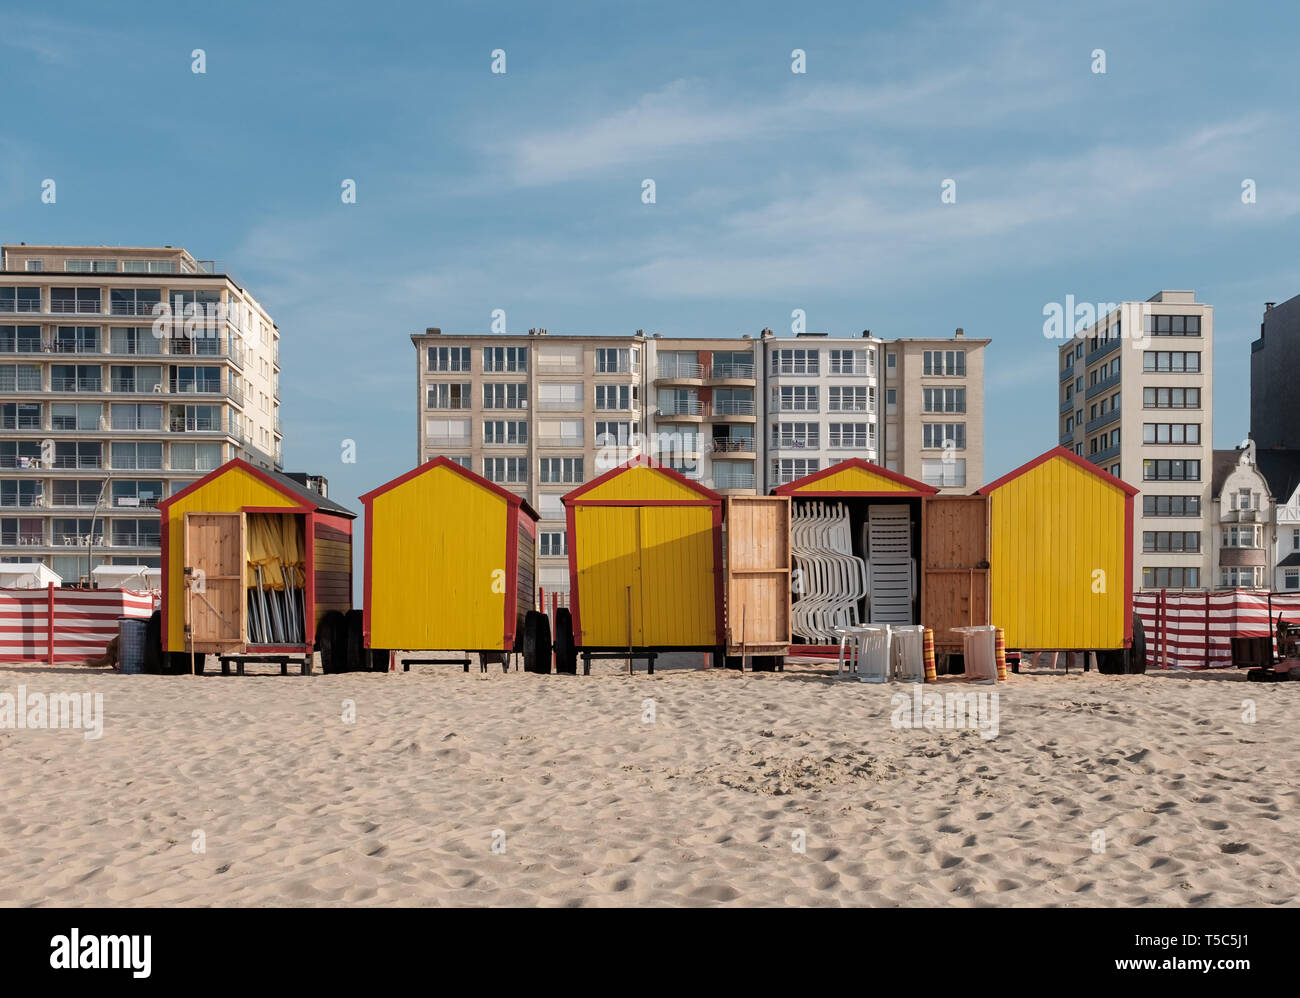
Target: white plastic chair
[[875, 642]]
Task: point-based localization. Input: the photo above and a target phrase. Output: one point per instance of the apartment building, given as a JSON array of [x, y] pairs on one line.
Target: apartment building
[[1136, 398], [824, 405], [130, 372]]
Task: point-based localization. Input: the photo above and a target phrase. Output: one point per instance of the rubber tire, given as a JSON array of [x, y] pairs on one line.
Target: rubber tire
[[331, 638], [1135, 658], [354, 643], [537, 643], [1110, 663], [379, 659], [153, 654], [566, 653]]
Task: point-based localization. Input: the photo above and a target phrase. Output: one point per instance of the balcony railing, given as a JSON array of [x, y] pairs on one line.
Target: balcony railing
[[797, 405], [558, 405], [797, 367], [130, 386], [741, 445], [24, 344], [850, 405], [13, 539], [20, 423], [443, 440], [853, 370], [74, 461], [681, 407], [733, 407], [738, 371], [797, 443], [22, 502], [132, 307], [671, 368], [76, 384], [22, 307], [76, 307], [732, 479]]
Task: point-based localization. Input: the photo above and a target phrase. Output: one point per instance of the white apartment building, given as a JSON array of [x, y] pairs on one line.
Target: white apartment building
[[1136, 398], [912, 405], [129, 373]]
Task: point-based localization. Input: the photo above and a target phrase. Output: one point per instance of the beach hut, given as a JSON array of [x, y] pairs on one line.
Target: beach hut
[[450, 566], [1061, 559], [856, 531], [27, 575], [645, 567], [253, 564]]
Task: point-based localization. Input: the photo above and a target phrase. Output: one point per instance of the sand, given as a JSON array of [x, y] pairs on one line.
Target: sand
[[492, 789]]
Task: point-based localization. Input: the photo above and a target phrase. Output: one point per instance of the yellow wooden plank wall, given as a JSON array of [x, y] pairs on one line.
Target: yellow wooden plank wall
[[437, 562], [1051, 530]]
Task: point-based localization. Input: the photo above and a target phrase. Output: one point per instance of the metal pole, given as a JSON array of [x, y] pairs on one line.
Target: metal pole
[[629, 630]]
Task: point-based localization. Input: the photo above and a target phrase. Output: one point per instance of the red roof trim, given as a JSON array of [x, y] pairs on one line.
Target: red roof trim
[[642, 462], [1070, 456], [917, 488], [446, 462]]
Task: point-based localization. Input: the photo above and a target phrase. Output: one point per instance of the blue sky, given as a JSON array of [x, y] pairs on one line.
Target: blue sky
[[775, 191]]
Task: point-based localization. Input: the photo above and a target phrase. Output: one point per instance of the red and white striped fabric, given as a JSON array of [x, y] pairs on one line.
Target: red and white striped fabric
[[1194, 630], [84, 622]]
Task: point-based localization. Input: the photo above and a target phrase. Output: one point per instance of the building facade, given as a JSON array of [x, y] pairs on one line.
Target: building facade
[[1242, 529], [130, 372], [1136, 398], [915, 406], [539, 413], [1274, 374]]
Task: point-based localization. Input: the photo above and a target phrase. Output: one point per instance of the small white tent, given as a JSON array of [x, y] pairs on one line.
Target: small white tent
[[27, 575], [138, 577]]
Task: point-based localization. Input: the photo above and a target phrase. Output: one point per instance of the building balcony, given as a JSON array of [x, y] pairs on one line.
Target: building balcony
[[76, 308], [1066, 439], [1242, 557], [738, 447], [1109, 347], [690, 410], [733, 480], [797, 443], [1103, 456], [1096, 424], [568, 441], [1067, 374], [738, 410], [1104, 385], [1067, 405], [731, 374], [680, 372]]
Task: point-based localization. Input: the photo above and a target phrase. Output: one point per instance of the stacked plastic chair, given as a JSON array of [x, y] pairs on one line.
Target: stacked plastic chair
[[833, 581]]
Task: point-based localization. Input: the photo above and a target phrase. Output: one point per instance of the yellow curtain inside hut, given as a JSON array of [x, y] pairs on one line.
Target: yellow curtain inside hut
[[274, 542]]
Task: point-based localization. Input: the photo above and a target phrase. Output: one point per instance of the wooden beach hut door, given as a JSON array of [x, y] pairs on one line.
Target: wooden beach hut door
[[610, 578], [955, 588], [214, 610]]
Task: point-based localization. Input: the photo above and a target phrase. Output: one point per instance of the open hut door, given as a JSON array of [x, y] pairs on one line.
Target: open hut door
[[214, 561]]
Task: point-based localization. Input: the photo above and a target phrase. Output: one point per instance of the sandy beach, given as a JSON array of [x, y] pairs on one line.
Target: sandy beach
[[685, 788]]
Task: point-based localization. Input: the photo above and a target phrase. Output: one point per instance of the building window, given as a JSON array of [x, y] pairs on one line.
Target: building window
[[1291, 578], [1171, 360], [449, 359], [187, 457], [552, 544], [787, 469], [891, 399], [944, 363], [796, 435], [449, 396], [507, 432], [617, 360], [851, 361], [1171, 433], [1171, 398], [1171, 540], [561, 470], [509, 360], [855, 436], [795, 398], [1171, 471], [1241, 535], [1171, 578], [851, 398], [619, 398], [506, 470], [795, 361], [611, 433], [1240, 578], [1171, 505], [944, 399], [1246, 499], [943, 472], [1173, 325], [946, 435], [1295, 538], [511, 395], [891, 360]]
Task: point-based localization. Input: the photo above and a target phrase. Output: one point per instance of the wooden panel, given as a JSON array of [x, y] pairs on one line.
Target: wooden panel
[[757, 587], [955, 586], [214, 609]]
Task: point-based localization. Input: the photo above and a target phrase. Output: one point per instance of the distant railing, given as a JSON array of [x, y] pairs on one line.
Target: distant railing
[[92, 307], [733, 479], [738, 371], [681, 407], [734, 446], [672, 368], [76, 384], [733, 407]]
